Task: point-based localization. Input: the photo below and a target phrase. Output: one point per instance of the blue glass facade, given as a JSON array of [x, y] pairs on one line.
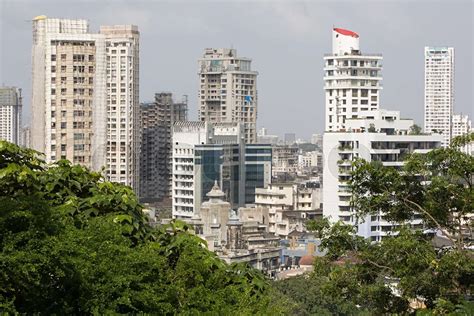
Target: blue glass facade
[[238, 169]]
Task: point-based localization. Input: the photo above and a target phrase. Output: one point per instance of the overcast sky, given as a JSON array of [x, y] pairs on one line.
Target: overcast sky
[[286, 41]]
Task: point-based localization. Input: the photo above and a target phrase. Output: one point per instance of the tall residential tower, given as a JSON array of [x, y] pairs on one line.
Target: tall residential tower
[[10, 114], [439, 91], [85, 96], [228, 90], [352, 80]]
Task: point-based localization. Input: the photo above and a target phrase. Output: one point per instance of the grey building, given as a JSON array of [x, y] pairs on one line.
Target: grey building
[[157, 119], [10, 114]]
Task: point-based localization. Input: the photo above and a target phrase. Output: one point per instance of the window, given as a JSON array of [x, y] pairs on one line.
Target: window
[[53, 57], [63, 57]]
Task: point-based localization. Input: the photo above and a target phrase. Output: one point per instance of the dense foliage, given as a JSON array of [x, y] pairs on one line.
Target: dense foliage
[[72, 243], [404, 273]]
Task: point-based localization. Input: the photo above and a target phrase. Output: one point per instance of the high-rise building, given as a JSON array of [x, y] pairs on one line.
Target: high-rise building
[[204, 153], [388, 141], [439, 91], [462, 126], [157, 119], [228, 90], [68, 108], [85, 96], [352, 80], [10, 114], [123, 108]]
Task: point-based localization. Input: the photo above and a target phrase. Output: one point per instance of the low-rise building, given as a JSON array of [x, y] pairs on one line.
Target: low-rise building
[[289, 206], [237, 236]]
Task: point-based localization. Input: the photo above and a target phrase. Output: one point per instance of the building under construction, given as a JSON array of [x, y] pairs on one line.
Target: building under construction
[[155, 160]]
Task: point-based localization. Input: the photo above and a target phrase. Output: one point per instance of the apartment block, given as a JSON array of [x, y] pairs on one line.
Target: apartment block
[[85, 96], [204, 153], [228, 90], [439, 91], [352, 80], [10, 114], [375, 136], [157, 119]]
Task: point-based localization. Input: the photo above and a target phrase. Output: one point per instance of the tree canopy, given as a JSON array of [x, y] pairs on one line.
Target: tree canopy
[[73, 243], [404, 272]]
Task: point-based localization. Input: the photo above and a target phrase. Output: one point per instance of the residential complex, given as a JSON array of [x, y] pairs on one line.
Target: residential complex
[[10, 114], [85, 96], [439, 91], [204, 153], [122, 92], [157, 119], [379, 135], [228, 90], [352, 80]]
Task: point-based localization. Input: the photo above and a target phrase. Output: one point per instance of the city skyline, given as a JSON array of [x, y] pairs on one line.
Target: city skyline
[[279, 37]]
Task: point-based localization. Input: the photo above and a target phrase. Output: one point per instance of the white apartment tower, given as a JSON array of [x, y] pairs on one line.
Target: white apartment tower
[[439, 91], [10, 114], [123, 132], [85, 96], [352, 80], [228, 90]]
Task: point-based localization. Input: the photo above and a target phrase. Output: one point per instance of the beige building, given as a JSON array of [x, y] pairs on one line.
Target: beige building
[[85, 96], [288, 206], [122, 89], [228, 90], [240, 236]]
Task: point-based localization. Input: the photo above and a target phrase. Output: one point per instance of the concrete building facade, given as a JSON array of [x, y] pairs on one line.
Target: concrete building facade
[[352, 80], [228, 90], [157, 119], [10, 114], [388, 141], [85, 96], [288, 205], [439, 91], [123, 112]]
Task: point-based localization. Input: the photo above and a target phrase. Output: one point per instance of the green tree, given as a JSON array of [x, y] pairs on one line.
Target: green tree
[[415, 130], [73, 243], [360, 277]]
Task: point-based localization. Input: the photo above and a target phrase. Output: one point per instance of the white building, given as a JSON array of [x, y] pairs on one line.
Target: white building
[[122, 89], [387, 141], [462, 126], [10, 114], [439, 91], [85, 96], [352, 80], [228, 90], [287, 205], [309, 159]]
